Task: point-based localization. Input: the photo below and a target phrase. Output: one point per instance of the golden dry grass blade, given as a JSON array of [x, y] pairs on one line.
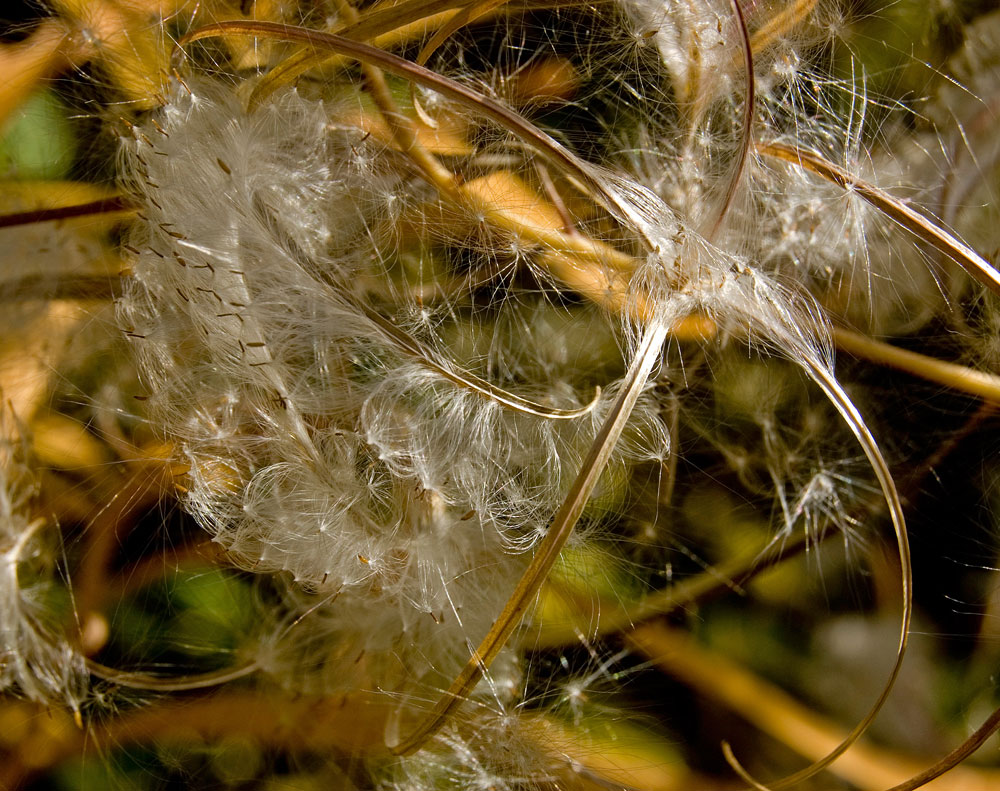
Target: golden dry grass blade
[[507, 202], [130, 43], [446, 138], [625, 757], [781, 23], [350, 723]]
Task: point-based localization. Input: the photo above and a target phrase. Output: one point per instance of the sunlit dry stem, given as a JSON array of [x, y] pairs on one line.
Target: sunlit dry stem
[[958, 377], [349, 724], [607, 617]]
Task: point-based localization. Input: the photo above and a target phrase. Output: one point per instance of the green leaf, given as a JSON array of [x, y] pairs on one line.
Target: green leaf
[[38, 143]]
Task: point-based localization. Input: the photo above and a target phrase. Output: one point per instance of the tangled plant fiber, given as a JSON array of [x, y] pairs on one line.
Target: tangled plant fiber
[[439, 317]]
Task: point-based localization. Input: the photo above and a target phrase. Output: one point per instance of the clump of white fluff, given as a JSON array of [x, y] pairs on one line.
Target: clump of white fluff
[[489, 754], [335, 431], [790, 223], [36, 659], [319, 443]]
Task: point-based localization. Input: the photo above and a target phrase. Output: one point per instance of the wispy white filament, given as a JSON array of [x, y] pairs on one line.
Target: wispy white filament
[[319, 445], [36, 659]]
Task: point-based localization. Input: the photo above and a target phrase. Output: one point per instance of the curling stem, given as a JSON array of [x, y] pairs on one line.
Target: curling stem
[[215, 678], [954, 758], [834, 391], [776, 713], [548, 550], [746, 133]]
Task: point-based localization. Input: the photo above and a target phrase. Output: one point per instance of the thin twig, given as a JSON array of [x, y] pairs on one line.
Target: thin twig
[[116, 204]]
